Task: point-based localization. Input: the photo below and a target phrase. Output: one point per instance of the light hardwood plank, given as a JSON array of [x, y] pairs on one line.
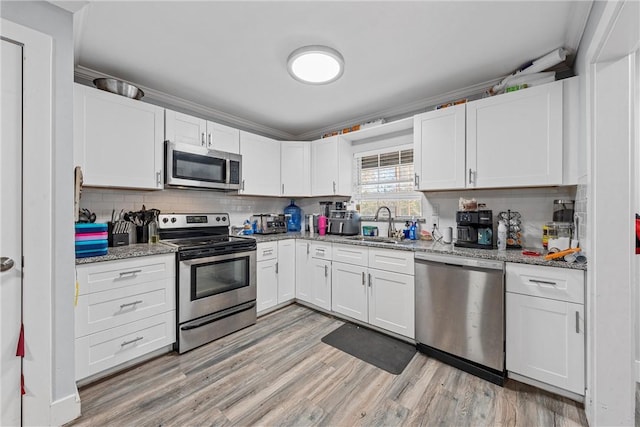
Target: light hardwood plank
[[278, 372]]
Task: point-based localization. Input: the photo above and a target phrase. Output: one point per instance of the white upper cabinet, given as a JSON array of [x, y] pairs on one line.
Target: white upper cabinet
[[118, 141], [331, 166], [439, 148], [260, 165], [515, 139], [295, 168], [186, 129]]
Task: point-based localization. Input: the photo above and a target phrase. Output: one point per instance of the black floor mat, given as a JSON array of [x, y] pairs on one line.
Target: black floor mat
[[375, 348]]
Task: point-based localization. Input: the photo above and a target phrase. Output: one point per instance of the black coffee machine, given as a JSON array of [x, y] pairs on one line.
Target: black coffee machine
[[474, 229]]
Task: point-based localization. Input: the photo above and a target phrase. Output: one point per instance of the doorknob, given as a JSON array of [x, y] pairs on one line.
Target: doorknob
[[6, 264]]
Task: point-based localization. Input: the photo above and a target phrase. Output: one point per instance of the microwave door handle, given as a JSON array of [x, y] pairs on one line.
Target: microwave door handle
[[227, 179]]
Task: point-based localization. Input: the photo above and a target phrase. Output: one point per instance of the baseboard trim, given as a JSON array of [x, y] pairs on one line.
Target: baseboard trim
[[548, 387], [65, 410]]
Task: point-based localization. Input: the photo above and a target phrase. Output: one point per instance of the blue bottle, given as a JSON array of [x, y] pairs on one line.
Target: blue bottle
[[412, 232], [295, 220]]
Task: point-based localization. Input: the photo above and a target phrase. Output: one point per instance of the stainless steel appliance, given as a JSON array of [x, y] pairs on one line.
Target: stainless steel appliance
[[193, 166], [343, 222], [215, 277], [460, 313], [474, 229], [270, 223]]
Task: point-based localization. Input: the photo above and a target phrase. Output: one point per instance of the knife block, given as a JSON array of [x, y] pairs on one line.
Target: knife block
[[116, 239], [142, 234]]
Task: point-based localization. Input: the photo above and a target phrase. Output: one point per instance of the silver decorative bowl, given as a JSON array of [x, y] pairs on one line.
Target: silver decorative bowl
[[119, 87]]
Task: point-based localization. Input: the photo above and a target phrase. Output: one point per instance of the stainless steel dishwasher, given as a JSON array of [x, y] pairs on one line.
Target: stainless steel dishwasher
[[460, 313]]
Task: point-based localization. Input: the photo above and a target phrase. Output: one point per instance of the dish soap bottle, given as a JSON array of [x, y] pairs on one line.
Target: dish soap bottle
[[295, 220], [502, 236], [412, 231]]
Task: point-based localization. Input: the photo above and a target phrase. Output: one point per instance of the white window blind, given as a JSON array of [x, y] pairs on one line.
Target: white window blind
[[386, 178]]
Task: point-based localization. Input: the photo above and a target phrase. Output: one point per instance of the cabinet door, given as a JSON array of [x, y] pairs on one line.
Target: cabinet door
[[439, 148], [391, 302], [515, 139], [303, 270], [286, 270], [118, 141], [223, 138], [185, 129], [331, 166], [321, 283], [296, 165], [267, 284], [545, 341], [260, 165], [349, 290]]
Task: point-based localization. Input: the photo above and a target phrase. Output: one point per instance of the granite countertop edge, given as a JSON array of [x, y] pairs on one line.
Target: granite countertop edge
[[515, 256], [511, 255]]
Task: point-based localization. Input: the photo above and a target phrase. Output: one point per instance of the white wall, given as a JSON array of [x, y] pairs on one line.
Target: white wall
[[51, 20]]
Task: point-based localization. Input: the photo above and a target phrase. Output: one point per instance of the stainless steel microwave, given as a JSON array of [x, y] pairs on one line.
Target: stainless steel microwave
[[194, 166]]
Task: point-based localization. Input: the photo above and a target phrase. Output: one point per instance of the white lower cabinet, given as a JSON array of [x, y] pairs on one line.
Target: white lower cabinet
[[275, 273], [321, 283], [303, 268], [545, 337], [383, 298], [313, 273], [125, 310]]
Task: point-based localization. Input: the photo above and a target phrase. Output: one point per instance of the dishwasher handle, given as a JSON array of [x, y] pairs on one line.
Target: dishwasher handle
[[458, 261]]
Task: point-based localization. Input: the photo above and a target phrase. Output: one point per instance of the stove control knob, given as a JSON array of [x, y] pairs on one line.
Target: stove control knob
[[173, 219], [217, 219], [224, 218], [165, 220]]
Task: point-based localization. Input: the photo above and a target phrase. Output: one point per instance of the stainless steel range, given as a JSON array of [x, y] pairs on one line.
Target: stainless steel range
[[215, 277]]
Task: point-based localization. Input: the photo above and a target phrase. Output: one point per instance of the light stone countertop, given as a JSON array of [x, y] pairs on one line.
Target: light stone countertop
[[129, 251], [511, 255]]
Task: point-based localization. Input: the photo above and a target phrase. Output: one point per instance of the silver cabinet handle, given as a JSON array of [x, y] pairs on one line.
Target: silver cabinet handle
[[577, 322], [6, 264], [325, 271], [369, 279], [243, 185], [334, 187], [470, 175], [131, 341], [203, 142], [130, 273], [282, 188], [276, 268], [363, 284], [158, 177], [308, 248], [417, 180], [209, 139], [130, 304], [543, 282]]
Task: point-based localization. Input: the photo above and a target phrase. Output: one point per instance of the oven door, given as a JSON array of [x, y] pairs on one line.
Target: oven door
[[213, 284], [193, 166]]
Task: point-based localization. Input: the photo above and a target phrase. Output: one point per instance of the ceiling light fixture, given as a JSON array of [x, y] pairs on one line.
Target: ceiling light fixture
[[316, 65]]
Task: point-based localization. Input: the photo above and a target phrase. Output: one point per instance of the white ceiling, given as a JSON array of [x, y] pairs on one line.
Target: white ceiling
[[227, 59]]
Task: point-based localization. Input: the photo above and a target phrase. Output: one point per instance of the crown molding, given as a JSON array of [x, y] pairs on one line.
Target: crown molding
[[406, 110], [189, 107]]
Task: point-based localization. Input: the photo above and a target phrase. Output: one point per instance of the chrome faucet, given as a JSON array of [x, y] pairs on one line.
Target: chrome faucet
[[390, 230]]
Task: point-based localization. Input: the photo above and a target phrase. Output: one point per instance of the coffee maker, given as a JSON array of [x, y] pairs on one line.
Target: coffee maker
[[474, 229]]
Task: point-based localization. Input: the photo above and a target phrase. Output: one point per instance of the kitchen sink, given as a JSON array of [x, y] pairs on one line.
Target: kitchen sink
[[374, 239]]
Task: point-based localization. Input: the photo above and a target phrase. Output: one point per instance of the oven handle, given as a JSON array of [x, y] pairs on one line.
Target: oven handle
[[219, 315], [222, 257]]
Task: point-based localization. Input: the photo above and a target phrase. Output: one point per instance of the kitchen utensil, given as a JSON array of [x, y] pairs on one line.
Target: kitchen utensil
[[561, 254], [119, 87], [447, 235], [563, 210], [531, 253], [86, 216]]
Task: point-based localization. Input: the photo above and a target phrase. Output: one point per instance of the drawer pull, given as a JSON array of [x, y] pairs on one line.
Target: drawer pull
[[267, 252], [543, 282], [130, 304], [130, 273], [135, 340], [325, 271]]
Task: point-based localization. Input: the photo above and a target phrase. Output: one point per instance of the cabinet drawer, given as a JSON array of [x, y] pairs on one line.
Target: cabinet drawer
[[547, 282], [267, 250], [391, 260], [321, 250], [103, 310], [351, 254], [102, 276], [106, 349]]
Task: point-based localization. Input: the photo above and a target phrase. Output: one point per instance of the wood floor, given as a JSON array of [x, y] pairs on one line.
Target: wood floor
[[278, 372]]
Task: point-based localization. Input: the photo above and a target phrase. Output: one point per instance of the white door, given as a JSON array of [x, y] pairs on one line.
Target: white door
[[391, 302], [267, 284], [439, 148], [295, 168], [223, 138], [185, 129], [260, 165], [286, 270], [303, 270], [10, 233], [321, 283], [349, 290], [324, 166]]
